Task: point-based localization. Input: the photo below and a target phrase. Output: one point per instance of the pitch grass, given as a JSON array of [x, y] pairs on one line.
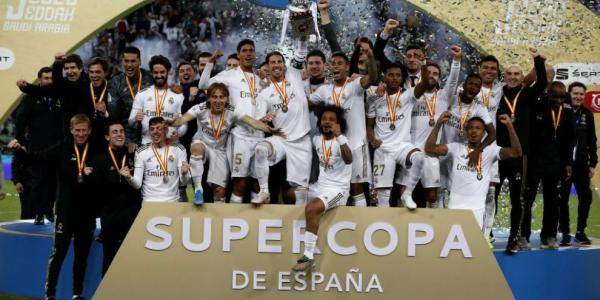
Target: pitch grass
[[10, 210]]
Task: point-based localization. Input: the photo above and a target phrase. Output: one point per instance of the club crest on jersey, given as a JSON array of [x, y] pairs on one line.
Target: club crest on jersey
[[171, 158], [171, 100], [149, 99]]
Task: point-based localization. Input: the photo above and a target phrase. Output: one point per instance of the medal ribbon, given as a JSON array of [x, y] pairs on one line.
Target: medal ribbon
[[478, 166], [326, 152], [159, 101], [392, 109], [337, 98], [139, 85], [251, 82], [486, 99], [513, 106], [94, 93], [282, 92], [217, 133], [431, 105], [556, 120], [80, 158], [463, 118], [114, 160], [163, 163]]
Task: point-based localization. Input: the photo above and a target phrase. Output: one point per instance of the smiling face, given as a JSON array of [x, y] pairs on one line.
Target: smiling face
[[471, 88], [577, 96], [513, 76], [316, 66], [97, 75], [157, 132], [247, 56], [339, 67], [393, 78], [81, 131], [72, 70], [186, 74], [475, 130], [116, 136], [328, 119], [131, 64], [232, 63], [217, 101], [276, 67], [488, 70], [159, 74], [413, 60]]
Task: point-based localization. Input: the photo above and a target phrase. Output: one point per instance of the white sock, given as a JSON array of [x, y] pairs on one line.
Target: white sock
[[301, 195], [310, 243], [261, 165], [490, 210], [218, 199], [253, 195], [383, 197], [360, 200], [235, 199], [417, 159], [197, 168]]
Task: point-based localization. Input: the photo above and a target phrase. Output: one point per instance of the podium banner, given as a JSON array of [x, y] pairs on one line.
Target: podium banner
[[177, 251]]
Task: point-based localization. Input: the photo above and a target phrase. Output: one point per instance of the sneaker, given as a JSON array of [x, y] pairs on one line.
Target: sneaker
[[50, 298], [198, 198], [408, 202], [523, 244], [78, 297], [303, 264], [261, 198], [39, 220], [566, 240], [512, 247], [549, 243], [582, 239]]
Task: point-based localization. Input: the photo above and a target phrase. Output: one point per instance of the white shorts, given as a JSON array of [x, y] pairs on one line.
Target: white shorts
[[385, 162], [494, 173], [240, 154], [361, 165], [430, 174], [330, 196], [297, 155], [218, 166], [475, 203]]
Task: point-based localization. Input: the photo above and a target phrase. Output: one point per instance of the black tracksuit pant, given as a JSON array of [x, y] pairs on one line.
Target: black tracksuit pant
[[581, 179]]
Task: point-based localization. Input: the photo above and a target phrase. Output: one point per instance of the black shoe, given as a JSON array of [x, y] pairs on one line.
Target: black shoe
[[78, 297], [566, 240], [50, 217], [512, 247], [39, 220], [50, 298], [582, 239]]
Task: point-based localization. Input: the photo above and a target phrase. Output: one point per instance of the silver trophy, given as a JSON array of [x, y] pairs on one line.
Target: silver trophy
[[302, 17]]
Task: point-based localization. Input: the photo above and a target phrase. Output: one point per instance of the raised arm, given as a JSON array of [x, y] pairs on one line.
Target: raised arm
[[514, 151], [381, 41], [256, 124], [343, 141], [431, 146], [452, 82], [204, 81], [328, 28], [371, 77], [541, 81]]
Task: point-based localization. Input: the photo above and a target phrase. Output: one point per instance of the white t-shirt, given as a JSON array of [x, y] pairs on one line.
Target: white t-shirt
[[338, 173], [294, 122], [451, 128], [146, 102], [241, 98], [378, 109], [352, 101], [149, 174], [205, 131], [464, 178], [420, 128]]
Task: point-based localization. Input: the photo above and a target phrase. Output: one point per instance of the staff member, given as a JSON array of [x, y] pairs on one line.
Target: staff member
[[120, 203]]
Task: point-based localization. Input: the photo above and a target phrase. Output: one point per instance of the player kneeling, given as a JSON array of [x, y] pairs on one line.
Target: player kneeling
[[215, 118], [333, 185]]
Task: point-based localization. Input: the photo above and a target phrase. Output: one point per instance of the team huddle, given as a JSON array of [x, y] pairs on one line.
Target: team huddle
[[137, 138]]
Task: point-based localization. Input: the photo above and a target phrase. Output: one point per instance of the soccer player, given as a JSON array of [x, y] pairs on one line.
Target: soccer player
[[350, 96], [469, 184], [490, 97], [159, 166], [287, 101], [388, 128], [233, 62], [119, 201], [157, 101], [75, 213], [426, 110], [215, 119], [243, 86], [584, 167], [124, 87], [333, 185]]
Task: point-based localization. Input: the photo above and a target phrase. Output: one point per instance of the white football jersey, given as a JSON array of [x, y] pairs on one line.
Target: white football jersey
[[490, 99], [336, 174], [213, 129], [392, 138], [461, 111]]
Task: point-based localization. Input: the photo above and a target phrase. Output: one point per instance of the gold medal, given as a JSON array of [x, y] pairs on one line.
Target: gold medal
[[513, 118], [80, 161], [251, 82], [282, 94], [431, 107], [217, 131], [556, 119], [479, 176], [392, 107], [478, 165], [512, 106], [326, 152], [163, 163], [114, 160], [431, 122]]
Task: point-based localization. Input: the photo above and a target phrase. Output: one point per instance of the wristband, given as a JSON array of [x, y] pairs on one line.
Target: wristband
[[342, 140]]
